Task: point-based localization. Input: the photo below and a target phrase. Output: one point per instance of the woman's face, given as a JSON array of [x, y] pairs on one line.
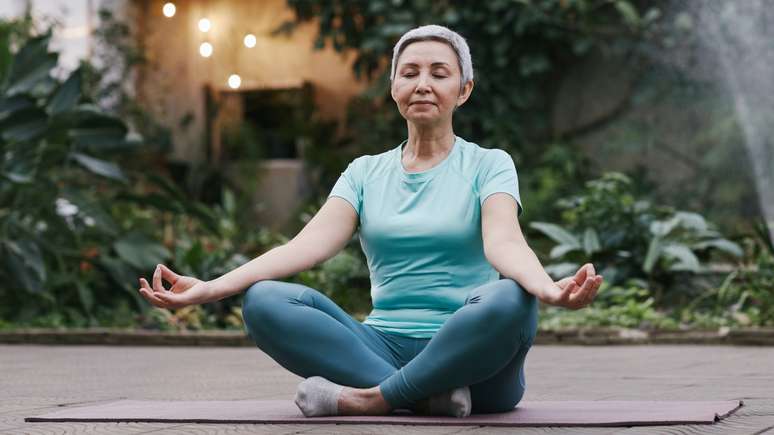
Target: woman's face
[[426, 86]]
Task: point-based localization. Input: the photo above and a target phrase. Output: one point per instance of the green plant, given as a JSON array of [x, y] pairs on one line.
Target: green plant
[[76, 228], [56, 232], [746, 295], [625, 306], [629, 238], [520, 51]]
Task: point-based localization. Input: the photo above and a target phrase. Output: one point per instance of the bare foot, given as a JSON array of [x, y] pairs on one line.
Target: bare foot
[[362, 401]]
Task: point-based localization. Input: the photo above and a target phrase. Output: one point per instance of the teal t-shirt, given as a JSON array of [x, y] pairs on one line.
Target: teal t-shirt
[[421, 231]]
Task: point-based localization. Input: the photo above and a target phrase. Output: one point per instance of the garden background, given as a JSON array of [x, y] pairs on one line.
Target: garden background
[[639, 129]]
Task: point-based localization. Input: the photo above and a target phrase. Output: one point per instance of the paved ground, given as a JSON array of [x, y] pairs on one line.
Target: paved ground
[[37, 379]]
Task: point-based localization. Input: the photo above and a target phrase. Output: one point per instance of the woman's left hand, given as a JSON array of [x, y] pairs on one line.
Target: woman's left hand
[[574, 292]]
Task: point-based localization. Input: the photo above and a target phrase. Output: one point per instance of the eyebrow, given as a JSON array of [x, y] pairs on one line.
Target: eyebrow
[[432, 64]]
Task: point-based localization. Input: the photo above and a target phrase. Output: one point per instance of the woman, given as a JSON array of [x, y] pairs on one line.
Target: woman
[[438, 223]]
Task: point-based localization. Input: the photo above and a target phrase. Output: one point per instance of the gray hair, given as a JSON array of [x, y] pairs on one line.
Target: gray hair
[[434, 32]]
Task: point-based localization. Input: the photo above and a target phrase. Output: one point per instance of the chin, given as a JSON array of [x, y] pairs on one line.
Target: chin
[[423, 120]]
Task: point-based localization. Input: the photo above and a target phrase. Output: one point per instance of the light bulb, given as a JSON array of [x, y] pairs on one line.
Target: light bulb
[[205, 49], [250, 40], [234, 81], [204, 25], [169, 9]]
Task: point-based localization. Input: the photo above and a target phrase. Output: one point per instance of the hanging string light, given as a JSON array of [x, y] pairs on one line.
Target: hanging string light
[[250, 40], [234, 81], [204, 25], [169, 9], [205, 49]]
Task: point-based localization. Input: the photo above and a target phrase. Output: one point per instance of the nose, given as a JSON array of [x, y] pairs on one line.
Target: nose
[[423, 85]]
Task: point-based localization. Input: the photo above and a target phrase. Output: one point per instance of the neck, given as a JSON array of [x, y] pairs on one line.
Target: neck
[[428, 142]]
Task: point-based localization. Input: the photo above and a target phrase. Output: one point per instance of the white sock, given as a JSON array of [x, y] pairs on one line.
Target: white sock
[[317, 396], [455, 403]]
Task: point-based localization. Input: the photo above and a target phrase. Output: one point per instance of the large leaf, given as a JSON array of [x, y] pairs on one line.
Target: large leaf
[[100, 167], [101, 139], [560, 250], [90, 116], [556, 233], [124, 277], [140, 252], [691, 221], [68, 94], [561, 270], [654, 252], [24, 261], [31, 65], [25, 125], [686, 259], [590, 241], [724, 245], [85, 295], [38, 76], [662, 228], [20, 165], [9, 106], [628, 12]]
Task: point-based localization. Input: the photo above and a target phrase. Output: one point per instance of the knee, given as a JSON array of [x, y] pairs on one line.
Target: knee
[[497, 403], [513, 305], [257, 303]]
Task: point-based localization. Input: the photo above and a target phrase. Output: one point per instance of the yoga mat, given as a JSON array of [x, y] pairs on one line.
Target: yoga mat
[[527, 413]]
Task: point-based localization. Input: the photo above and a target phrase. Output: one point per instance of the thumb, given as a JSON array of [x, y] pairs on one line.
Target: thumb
[[580, 275]]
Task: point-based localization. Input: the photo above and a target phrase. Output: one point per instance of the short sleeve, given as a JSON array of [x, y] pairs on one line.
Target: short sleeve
[[349, 185], [499, 175]]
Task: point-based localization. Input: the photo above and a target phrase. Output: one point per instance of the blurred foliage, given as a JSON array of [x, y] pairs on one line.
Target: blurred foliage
[[88, 203], [52, 223], [624, 306], [521, 51], [78, 225], [628, 239]]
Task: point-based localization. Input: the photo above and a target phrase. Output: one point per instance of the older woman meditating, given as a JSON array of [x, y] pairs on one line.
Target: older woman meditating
[[438, 221]]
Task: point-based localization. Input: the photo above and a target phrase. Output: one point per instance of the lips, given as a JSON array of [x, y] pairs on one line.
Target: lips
[[421, 102]]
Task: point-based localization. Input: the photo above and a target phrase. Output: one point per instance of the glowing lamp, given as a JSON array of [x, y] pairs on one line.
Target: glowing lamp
[[234, 81], [205, 25], [205, 49], [169, 9]]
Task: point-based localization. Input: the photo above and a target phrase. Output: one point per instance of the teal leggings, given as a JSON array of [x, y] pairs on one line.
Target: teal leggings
[[482, 345]]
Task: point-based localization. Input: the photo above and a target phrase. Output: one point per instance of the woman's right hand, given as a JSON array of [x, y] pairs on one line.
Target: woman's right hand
[[185, 290]]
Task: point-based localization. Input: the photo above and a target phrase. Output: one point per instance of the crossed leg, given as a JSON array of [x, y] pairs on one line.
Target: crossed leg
[[307, 333]]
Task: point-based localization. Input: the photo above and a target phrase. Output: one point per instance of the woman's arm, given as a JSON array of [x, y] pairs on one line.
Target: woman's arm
[[322, 237], [506, 249], [327, 233]]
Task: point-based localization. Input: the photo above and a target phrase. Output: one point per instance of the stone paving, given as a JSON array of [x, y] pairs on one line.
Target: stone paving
[[37, 379]]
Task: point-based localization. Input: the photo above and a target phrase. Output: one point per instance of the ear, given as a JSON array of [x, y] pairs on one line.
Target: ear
[[392, 90], [465, 94]]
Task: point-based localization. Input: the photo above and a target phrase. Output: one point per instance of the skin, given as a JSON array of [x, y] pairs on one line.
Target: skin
[[426, 89]]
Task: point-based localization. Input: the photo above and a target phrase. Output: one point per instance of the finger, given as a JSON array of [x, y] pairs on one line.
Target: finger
[[568, 291], [581, 295], [150, 297], [593, 288], [580, 275], [146, 285], [590, 271], [157, 284], [170, 299], [153, 294], [168, 274]]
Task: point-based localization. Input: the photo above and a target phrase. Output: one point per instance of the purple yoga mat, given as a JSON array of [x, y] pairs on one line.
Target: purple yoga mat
[[537, 413]]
